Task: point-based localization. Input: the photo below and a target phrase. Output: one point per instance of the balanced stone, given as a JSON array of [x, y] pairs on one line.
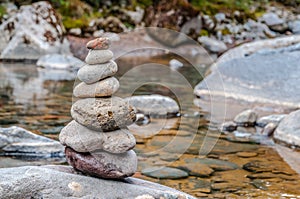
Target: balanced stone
[[103, 114], [82, 139], [98, 44], [103, 88], [92, 73], [103, 164], [98, 56]]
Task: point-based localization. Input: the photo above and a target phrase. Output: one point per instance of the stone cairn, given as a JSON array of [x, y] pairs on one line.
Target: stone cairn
[[97, 140]]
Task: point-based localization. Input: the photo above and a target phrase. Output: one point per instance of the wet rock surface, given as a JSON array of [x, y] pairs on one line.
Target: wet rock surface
[[59, 61], [17, 141]]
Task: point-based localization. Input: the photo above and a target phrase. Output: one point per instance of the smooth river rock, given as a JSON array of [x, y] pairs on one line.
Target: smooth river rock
[[164, 173], [103, 164], [82, 139], [104, 88], [288, 130], [263, 121], [17, 141], [154, 105], [103, 114], [246, 118], [98, 56], [92, 73], [101, 43], [52, 181]]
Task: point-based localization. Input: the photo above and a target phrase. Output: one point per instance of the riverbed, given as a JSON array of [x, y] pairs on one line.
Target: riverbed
[[39, 100]]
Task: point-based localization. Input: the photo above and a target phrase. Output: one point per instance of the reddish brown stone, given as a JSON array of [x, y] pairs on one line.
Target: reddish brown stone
[[103, 164], [98, 44]]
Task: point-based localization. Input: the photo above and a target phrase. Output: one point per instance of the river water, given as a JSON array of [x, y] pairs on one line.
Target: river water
[[39, 100]]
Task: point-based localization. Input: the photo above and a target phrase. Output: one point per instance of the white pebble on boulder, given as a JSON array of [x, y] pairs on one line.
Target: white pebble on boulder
[[93, 73], [103, 88], [98, 56]]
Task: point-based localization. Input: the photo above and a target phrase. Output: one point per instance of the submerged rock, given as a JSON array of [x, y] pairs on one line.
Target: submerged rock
[[17, 141], [62, 182], [288, 130], [34, 30], [165, 173]]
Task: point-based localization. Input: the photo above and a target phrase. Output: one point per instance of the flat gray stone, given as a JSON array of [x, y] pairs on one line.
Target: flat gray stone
[[98, 56], [60, 61], [154, 105], [212, 45], [103, 164], [92, 73], [82, 139], [263, 121], [246, 118], [103, 114], [20, 142], [104, 88], [63, 182], [288, 130], [215, 164], [164, 173]]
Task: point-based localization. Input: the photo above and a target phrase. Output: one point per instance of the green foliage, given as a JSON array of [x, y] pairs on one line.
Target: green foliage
[[2, 11]]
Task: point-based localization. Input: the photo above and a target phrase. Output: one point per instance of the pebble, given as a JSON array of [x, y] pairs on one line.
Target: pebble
[[101, 43], [98, 56], [103, 164], [246, 118], [103, 114], [82, 139], [246, 154], [164, 173], [92, 73], [103, 88]]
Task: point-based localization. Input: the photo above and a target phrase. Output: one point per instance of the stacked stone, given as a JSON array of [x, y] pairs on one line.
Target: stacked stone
[[97, 141]]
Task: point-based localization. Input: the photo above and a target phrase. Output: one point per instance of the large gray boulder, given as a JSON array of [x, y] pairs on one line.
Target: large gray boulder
[[288, 130], [20, 142], [265, 76], [34, 30], [63, 182]]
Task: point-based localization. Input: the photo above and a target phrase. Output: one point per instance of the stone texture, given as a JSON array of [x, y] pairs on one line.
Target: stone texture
[[263, 121], [34, 30], [82, 139], [103, 114], [288, 130], [212, 45], [101, 43], [93, 73], [196, 169], [246, 118], [154, 105], [103, 164], [98, 56], [62, 182], [20, 142], [104, 88], [164, 173]]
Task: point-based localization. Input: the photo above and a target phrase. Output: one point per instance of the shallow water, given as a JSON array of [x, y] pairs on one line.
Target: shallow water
[[40, 100]]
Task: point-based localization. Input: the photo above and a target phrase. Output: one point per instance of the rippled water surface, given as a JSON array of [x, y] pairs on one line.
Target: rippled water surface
[[39, 100]]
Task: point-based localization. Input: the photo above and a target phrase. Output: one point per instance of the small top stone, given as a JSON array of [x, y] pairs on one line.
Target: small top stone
[[101, 43]]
